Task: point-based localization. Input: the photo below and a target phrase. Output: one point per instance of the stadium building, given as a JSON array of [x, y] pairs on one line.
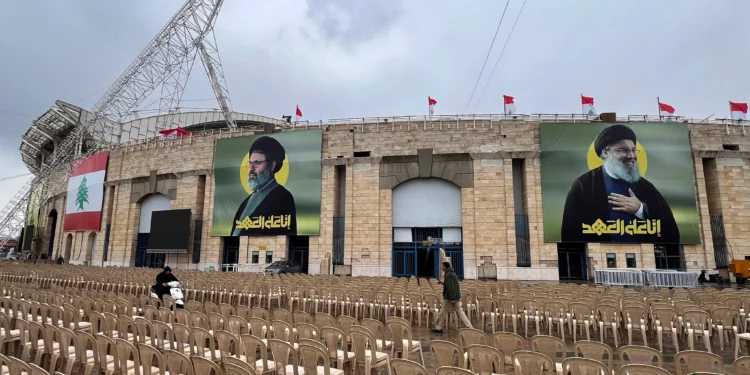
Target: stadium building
[[507, 197]]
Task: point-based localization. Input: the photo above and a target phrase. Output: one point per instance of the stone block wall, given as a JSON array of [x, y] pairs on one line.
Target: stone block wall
[[484, 151]]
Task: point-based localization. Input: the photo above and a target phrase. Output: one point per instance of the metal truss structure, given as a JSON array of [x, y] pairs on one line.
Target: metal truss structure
[[167, 62]]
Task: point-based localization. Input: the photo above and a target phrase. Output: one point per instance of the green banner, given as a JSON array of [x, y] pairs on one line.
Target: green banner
[[35, 200], [268, 185], [621, 183]]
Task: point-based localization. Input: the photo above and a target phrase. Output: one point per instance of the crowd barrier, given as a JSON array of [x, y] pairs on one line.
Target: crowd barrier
[[620, 277], [643, 277]]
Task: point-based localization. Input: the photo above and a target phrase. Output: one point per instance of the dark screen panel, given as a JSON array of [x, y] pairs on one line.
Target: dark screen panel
[[170, 230], [28, 235]]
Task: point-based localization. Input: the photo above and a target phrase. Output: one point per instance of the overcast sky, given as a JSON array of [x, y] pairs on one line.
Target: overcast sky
[[360, 58]]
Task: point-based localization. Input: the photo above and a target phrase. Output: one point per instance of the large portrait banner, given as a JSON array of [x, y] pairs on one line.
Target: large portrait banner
[[268, 185], [619, 183]]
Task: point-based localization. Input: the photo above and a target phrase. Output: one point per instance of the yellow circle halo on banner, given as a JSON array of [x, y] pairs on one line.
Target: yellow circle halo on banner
[[594, 161], [281, 176]]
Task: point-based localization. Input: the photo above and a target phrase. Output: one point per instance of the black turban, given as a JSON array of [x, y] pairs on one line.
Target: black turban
[[611, 135], [273, 150]]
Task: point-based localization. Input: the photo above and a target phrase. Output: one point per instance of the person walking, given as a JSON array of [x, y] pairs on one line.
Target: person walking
[[451, 299]]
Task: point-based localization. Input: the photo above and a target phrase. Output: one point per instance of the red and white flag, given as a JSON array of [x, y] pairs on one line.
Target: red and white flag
[[431, 104], [174, 133], [509, 105], [587, 106], [665, 110], [298, 113], [739, 110], [83, 209]]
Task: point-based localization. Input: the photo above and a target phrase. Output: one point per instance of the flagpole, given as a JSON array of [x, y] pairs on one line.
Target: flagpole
[[658, 107], [505, 111], [582, 111]]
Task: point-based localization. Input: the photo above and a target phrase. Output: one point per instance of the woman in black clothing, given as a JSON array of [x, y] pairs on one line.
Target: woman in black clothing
[[161, 288]]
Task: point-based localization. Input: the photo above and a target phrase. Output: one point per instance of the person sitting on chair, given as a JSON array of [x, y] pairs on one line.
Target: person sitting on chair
[[162, 280]]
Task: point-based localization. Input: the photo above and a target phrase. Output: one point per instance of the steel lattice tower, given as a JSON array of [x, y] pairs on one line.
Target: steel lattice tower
[[167, 62]]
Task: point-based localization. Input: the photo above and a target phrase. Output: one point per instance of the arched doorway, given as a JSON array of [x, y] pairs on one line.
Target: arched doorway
[[52, 229], [68, 247], [90, 246], [153, 202], [425, 209]]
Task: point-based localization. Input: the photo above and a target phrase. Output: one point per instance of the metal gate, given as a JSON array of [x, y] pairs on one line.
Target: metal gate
[[406, 254], [299, 251], [523, 241], [230, 255], [338, 240], [571, 259], [144, 259], [719, 241]]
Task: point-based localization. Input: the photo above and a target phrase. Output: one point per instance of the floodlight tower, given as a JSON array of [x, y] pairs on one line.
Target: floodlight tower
[[167, 62]]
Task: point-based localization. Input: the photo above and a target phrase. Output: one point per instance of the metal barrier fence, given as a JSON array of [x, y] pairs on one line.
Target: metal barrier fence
[[671, 278], [620, 277], [642, 277]]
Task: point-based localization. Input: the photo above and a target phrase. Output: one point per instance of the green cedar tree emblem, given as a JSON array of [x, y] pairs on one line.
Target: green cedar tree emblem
[[83, 194]]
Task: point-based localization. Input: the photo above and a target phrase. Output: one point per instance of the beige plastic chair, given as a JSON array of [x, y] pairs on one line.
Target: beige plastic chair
[[377, 328], [485, 360], [334, 339], [594, 350], [407, 367], [697, 323], [205, 366], [231, 369], [550, 346], [449, 370], [532, 363], [252, 345], [365, 350], [642, 355], [666, 323], [240, 363], [177, 363], [285, 357], [313, 354], [584, 366], [507, 343], [444, 353], [698, 361], [639, 369], [741, 365], [636, 318], [402, 337]]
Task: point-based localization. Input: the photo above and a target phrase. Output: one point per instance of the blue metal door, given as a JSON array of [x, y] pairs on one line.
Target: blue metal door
[[407, 255]]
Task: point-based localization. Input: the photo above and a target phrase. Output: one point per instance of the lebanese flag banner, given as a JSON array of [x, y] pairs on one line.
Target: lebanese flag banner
[[83, 209], [509, 105], [739, 110], [176, 132], [587, 104], [666, 110]]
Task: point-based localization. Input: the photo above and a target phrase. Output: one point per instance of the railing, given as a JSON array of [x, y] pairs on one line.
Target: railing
[[467, 121], [620, 277], [643, 277]]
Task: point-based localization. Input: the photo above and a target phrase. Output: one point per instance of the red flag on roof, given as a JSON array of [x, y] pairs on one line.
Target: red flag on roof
[[665, 109], [298, 113], [509, 105], [431, 101], [176, 132], [739, 110]]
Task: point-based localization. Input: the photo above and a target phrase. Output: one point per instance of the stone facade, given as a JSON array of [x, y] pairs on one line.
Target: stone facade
[[475, 155]]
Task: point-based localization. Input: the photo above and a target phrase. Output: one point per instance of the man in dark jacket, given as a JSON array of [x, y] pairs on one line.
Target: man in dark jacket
[[451, 299], [162, 279]]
